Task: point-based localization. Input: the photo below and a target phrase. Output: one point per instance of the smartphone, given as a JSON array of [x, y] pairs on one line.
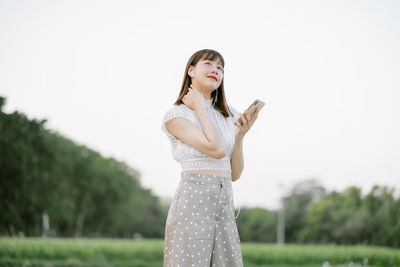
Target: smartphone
[[257, 103], [252, 108]]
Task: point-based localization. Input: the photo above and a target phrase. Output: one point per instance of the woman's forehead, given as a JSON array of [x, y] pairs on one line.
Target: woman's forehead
[[212, 57]]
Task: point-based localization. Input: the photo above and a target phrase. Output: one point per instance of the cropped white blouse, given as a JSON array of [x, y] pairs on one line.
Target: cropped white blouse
[[189, 157]]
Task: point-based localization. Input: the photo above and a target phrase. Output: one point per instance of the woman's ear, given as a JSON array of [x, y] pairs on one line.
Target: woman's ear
[[190, 71]]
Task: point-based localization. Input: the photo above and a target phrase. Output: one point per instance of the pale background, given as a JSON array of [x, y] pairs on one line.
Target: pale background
[[104, 73]]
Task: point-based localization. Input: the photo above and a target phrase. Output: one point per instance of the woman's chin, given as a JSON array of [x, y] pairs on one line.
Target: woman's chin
[[208, 87]]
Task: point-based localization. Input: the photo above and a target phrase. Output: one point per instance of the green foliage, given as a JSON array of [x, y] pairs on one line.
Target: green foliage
[[296, 204], [257, 225], [348, 218], [25, 181], [83, 193]]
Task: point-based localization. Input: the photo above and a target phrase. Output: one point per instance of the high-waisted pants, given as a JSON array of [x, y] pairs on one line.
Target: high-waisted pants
[[201, 229]]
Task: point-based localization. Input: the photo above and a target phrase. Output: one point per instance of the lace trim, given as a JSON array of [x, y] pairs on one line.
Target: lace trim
[[207, 164]]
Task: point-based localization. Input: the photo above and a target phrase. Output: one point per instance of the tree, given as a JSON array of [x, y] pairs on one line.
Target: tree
[[297, 203], [257, 225]]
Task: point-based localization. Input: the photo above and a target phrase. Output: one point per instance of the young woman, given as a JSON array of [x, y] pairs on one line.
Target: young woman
[[207, 141]]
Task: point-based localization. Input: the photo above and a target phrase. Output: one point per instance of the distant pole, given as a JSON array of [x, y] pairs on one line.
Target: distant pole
[[280, 228], [45, 224]]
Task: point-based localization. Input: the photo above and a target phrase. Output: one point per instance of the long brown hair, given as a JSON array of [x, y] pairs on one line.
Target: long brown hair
[[206, 54]]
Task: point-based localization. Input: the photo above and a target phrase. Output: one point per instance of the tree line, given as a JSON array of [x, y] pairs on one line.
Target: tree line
[[83, 193], [315, 216], [45, 175]]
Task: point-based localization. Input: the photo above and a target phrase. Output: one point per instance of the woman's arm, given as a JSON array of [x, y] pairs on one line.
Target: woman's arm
[[206, 142], [209, 130], [244, 123], [237, 160]]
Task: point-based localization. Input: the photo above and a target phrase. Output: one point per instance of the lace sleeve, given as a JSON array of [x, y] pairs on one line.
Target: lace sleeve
[[175, 112]]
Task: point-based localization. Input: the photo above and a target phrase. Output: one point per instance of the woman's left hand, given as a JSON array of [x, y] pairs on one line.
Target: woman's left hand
[[244, 123]]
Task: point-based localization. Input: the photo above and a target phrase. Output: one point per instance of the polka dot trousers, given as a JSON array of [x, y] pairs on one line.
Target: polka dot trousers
[[201, 228]]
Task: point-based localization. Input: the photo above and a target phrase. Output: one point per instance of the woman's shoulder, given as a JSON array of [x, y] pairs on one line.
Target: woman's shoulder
[[176, 111], [180, 110]]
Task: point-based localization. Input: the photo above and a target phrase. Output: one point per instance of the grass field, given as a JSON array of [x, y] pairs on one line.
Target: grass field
[[149, 253]]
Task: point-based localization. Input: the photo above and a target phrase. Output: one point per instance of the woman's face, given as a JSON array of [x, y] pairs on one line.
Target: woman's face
[[207, 74]]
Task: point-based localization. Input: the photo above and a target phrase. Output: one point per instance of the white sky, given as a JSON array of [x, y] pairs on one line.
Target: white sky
[[104, 73]]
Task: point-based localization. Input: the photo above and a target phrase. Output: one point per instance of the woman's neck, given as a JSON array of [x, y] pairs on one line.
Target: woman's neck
[[205, 93]]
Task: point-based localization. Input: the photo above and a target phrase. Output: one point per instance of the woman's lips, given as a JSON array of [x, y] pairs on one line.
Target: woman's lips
[[212, 78]]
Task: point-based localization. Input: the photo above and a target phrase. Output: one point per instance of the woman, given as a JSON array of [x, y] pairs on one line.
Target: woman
[[207, 141]]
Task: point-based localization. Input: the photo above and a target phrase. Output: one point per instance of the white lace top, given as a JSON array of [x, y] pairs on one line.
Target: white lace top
[[189, 157]]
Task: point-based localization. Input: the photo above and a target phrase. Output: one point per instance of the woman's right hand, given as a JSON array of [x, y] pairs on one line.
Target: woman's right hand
[[194, 99]]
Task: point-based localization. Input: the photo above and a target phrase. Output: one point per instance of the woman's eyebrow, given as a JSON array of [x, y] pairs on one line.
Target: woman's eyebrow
[[213, 60]]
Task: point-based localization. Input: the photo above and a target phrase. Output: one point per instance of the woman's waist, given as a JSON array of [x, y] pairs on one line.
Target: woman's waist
[[219, 173], [206, 163]]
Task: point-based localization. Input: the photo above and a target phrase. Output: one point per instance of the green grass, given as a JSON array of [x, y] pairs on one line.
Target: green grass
[[306, 254], [149, 253]]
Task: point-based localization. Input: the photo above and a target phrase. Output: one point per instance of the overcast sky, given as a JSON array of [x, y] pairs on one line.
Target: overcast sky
[[104, 73]]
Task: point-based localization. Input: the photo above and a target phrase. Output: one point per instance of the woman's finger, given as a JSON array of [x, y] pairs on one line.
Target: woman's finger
[[254, 118], [256, 113], [247, 116], [243, 119]]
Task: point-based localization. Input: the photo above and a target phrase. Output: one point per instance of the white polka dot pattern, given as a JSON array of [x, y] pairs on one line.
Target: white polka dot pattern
[[201, 229]]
